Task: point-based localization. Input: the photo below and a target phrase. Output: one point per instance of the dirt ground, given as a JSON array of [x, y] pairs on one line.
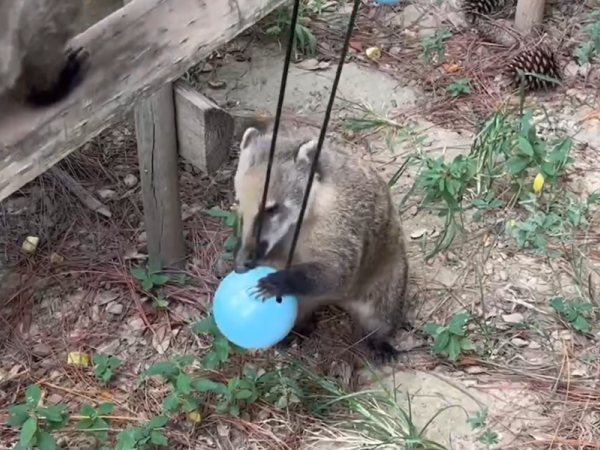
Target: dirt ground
[[536, 375]]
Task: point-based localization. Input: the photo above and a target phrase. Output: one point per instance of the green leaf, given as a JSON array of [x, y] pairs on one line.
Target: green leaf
[[558, 304], [580, 324], [105, 409], [210, 361], [139, 273], [18, 417], [158, 422], [204, 385], [183, 383], [186, 360], [432, 329], [147, 284], [221, 347], [466, 344], [164, 368], [457, 324], [454, 348], [84, 424], [217, 212], [525, 146], [234, 410], [46, 441], [171, 403], [33, 395], [207, 325], [516, 165], [230, 244], [158, 439], [244, 394], [28, 430], [441, 342], [233, 384], [160, 280], [87, 410]]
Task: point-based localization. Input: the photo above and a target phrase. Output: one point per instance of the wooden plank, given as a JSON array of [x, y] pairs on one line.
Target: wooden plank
[[156, 134], [204, 131], [529, 14], [133, 52]]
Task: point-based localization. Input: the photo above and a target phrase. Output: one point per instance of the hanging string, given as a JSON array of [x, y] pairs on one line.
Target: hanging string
[[286, 67], [315, 161]]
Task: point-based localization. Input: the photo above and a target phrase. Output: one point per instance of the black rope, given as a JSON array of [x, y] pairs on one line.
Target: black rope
[[286, 66], [313, 167]]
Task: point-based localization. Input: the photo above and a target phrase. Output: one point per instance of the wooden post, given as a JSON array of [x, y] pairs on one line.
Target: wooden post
[[156, 133], [529, 13]]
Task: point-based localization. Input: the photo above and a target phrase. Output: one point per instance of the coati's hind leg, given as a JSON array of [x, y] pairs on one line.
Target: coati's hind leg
[[63, 83], [374, 333]]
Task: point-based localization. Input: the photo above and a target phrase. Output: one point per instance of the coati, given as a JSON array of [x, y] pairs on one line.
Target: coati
[[351, 249], [36, 68]]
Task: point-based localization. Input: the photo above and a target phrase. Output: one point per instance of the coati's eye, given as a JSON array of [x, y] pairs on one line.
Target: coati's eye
[[271, 208]]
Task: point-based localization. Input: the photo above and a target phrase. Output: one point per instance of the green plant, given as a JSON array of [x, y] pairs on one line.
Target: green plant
[[488, 203], [460, 87], [435, 45], [221, 347], [574, 313], [589, 49], [133, 438], [480, 419], [150, 277], [93, 422], [182, 398], [37, 422], [304, 39], [104, 367], [451, 341], [160, 301], [233, 221]]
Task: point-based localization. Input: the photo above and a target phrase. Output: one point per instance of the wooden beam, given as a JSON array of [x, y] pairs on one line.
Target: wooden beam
[[529, 14], [133, 52], [204, 131], [156, 134]]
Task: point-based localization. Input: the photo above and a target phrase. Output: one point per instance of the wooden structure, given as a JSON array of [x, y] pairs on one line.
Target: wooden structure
[[529, 13], [135, 55]]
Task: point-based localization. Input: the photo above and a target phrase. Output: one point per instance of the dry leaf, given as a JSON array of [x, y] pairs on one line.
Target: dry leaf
[[195, 417], [30, 244], [373, 53], [451, 67], [78, 359], [161, 339], [313, 64], [356, 45]]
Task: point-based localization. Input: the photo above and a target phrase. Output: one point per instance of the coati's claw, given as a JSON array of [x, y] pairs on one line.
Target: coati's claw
[[278, 284], [69, 78], [383, 352]]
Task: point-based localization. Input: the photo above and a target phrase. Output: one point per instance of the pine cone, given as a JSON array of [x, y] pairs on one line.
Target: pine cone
[[539, 61]]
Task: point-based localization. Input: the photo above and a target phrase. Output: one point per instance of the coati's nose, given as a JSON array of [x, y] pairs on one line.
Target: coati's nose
[[245, 266]]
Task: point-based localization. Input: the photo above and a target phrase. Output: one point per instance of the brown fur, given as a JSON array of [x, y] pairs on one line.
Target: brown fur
[[351, 249], [35, 65]]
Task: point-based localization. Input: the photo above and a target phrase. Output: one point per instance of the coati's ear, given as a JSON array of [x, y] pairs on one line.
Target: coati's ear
[[306, 152], [250, 136]]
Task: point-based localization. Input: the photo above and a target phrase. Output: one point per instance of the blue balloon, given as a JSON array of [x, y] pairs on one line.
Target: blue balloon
[[245, 319]]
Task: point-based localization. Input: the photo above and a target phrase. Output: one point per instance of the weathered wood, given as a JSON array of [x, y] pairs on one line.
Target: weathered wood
[[529, 13], [204, 131], [156, 134], [133, 52]]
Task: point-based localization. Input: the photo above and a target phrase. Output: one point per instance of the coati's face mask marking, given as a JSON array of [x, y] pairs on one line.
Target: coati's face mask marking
[[289, 176]]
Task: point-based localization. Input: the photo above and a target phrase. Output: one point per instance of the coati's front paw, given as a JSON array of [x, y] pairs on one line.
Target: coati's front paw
[[69, 78], [278, 284], [383, 353]]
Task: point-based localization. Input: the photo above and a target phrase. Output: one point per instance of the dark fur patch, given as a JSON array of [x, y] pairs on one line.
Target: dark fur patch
[[69, 78], [383, 351], [284, 282]]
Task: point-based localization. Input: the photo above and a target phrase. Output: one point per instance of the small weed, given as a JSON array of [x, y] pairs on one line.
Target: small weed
[[460, 87], [150, 277], [221, 347], [573, 313], [133, 438], [304, 39], [591, 48], [160, 301], [37, 422], [93, 421], [104, 367], [434, 47], [182, 398], [480, 419], [233, 221], [489, 438], [451, 341]]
